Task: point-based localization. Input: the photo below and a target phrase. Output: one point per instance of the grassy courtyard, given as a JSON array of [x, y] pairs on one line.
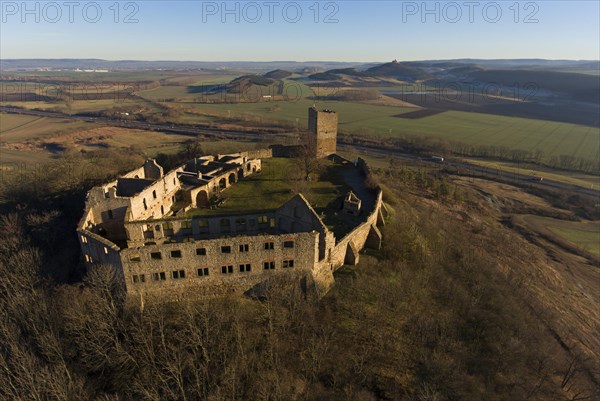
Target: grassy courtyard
[[277, 183]]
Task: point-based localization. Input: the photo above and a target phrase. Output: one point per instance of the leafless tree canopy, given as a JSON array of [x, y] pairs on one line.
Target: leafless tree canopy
[[428, 318]]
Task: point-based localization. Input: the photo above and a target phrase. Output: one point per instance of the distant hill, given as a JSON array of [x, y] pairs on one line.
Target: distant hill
[[579, 86], [305, 67], [241, 84], [400, 71], [277, 74], [308, 70], [465, 69], [143, 65], [395, 70]]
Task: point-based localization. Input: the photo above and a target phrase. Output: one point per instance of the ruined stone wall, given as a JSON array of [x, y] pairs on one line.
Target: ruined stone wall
[[161, 230], [98, 250], [107, 211], [364, 167], [289, 151], [137, 173], [178, 257], [359, 236], [164, 255], [298, 215], [259, 154], [156, 199]]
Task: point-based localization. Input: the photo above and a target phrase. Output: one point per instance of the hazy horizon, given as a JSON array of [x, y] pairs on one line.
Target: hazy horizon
[[333, 31], [300, 61]]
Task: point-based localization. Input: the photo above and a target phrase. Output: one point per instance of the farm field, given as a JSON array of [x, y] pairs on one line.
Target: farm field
[[179, 88], [474, 129], [374, 118], [584, 235], [11, 159], [29, 139], [126, 76], [292, 91], [81, 106], [574, 178], [352, 115], [17, 128]]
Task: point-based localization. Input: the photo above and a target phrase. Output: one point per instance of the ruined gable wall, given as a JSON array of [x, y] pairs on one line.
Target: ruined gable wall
[[96, 249], [137, 173], [297, 214], [148, 202]]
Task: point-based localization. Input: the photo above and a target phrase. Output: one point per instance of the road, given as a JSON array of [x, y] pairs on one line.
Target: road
[[451, 165]]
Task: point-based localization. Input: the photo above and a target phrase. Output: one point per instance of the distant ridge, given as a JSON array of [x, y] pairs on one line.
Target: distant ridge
[[94, 63], [394, 69]]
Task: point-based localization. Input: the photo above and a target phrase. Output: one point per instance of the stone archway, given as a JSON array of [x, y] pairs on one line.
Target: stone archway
[[240, 174], [231, 178], [201, 199], [223, 183]]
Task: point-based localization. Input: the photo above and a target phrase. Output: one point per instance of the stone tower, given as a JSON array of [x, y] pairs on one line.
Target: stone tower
[[322, 127]]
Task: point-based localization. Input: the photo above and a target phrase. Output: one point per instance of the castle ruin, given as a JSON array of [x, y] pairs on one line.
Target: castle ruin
[[141, 224]]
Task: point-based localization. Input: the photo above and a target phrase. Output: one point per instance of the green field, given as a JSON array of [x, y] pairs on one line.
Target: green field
[[584, 235], [175, 89], [568, 177], [9, 159], [472, 129], [475, 129]]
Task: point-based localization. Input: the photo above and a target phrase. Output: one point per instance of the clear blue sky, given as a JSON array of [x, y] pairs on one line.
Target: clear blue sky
[[364, 31]]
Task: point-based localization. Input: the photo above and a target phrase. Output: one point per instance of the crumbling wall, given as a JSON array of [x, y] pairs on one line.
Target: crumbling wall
[[156, 199], [178, 257], [357, 237], [98, 250], [298, 215], [161, 230], [266, 153]]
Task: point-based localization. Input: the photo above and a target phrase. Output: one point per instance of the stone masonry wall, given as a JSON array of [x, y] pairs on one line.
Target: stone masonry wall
[[323, 128], [243, 250], [356, 239]]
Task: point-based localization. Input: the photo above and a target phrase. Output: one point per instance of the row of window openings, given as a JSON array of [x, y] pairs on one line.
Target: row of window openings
[[203, 272], [248, 267], [155, 197], [203, 223], [89, 259], [186, 224], [224, 249]]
